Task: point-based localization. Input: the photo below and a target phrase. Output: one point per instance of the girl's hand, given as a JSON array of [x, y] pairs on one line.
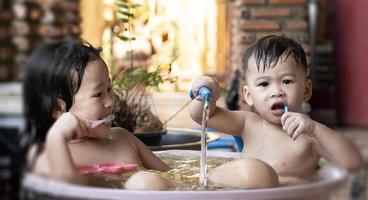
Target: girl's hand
[[210, 83], [70, 126], [296, 124]]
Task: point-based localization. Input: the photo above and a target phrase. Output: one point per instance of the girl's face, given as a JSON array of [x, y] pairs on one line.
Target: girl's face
[[284, 85], [94, 99]]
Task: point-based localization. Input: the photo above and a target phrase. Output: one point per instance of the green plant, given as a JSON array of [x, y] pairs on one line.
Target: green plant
[[132, 84]]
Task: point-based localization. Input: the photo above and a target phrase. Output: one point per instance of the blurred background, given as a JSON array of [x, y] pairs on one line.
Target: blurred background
[[195, 37], [205, 37]]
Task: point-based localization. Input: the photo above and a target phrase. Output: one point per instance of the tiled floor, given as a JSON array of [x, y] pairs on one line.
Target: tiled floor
[[357, 185]]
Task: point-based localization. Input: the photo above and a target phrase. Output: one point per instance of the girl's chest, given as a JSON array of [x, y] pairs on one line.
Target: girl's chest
[[90, 154]]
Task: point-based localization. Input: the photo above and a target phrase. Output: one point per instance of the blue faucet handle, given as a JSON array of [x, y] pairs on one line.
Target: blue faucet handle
[[204, 93]]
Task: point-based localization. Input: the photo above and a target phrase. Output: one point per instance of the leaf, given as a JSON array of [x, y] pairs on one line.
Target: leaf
[[126, 13], [124, 38], [135, 5], [121, 1], [122, 19], [122, 4]]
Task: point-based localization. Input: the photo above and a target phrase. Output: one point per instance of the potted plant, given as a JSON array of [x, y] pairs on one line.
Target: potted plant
[[133, 83]]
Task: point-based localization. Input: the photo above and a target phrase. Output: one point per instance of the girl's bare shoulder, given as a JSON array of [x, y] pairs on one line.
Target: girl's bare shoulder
[[118, 133]]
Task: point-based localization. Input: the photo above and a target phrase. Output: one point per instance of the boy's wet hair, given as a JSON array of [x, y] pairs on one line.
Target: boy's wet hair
[[54, 70], [269, 50]]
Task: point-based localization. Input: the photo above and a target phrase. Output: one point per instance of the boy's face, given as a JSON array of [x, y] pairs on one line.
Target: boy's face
[[94, 100], [271, 90]]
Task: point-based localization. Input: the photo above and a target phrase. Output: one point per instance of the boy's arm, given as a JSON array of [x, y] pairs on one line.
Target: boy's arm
[[221, 119], [337, 149]]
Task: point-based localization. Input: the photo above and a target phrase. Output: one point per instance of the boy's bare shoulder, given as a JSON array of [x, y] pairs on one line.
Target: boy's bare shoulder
[[251, 116], [252, 122]]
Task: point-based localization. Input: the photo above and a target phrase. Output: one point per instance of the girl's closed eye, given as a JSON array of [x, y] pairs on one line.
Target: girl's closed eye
[[99, 94]]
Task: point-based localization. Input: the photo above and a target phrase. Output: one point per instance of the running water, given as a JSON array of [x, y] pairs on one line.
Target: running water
[[203, 163], [206, 97]]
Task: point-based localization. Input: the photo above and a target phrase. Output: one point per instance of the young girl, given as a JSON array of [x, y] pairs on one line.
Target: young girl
[[66, 88]]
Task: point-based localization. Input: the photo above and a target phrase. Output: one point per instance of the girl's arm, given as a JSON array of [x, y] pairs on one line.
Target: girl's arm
[[148, 158], [58, 156], [60, 164], [337, 149]]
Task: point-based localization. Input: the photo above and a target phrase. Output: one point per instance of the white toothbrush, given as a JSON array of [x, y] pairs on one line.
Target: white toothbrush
[[107, 119]]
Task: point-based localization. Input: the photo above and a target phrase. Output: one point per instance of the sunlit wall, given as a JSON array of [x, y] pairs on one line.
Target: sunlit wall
[[183, 31]]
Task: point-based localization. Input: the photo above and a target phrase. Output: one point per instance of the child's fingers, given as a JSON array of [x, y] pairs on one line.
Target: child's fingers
[[284, 117], [287, 123], [80, 131], [81, 127], [82, 121], [292, 128], [297, 133]]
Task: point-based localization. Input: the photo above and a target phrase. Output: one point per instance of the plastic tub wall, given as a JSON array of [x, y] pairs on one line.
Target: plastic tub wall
[[36, 187]]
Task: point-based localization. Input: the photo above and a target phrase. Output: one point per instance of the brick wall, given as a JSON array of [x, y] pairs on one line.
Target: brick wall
[[252, 19], [7, 49], [25, 24]]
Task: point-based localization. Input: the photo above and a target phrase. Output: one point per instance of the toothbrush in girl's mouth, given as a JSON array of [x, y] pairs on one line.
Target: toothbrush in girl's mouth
[[107, 119], [286, 108]]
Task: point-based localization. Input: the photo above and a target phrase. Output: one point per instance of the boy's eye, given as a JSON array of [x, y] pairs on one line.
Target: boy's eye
[[263, 84], [287, 81], [109, 89]]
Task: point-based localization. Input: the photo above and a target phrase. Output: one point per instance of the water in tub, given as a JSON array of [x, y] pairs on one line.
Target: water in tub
[[188, 173], [184, 173]]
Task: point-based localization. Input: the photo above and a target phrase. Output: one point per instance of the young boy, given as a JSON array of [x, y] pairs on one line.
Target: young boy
[[278, 133]]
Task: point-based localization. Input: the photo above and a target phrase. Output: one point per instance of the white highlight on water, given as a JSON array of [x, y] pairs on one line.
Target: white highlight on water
[[203, 161]]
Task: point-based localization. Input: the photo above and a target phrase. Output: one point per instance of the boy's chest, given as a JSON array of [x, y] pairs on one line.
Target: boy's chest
[[277, 149]]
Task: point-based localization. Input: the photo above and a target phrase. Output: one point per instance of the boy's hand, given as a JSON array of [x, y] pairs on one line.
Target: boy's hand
[[208, 82], [70, 126], [296, 124]]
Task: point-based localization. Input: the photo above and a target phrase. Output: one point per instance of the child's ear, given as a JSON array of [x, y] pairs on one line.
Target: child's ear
[[60, 108], [308, 90], [247, 96]]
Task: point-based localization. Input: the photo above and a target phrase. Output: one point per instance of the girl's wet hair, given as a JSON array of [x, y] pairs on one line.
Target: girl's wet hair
[[54, 70], [268, 50]]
